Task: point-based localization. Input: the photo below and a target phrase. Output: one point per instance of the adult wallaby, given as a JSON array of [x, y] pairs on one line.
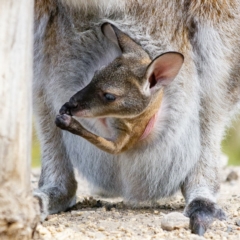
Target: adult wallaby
[[129, 89], [196, 107]]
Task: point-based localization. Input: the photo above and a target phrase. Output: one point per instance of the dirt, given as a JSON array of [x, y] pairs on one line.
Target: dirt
[[98, 218]]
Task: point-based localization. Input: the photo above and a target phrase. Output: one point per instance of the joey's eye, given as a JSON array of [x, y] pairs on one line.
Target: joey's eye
[[109, 97]]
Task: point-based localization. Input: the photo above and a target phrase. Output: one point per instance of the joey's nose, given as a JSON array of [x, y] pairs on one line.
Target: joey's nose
[[73, 102]]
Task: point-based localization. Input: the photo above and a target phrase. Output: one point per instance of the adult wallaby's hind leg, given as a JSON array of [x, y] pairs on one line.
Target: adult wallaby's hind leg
[[200, 189], [57, 185], [65, 58], [202, 183]]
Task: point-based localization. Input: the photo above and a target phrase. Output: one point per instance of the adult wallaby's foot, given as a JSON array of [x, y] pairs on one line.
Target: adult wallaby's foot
[[54, 200], [63, 121], [202, 212], [43, 201], [57, 185]]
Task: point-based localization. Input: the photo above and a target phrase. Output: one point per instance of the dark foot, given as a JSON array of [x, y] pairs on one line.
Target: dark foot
[[202, 212], [54, 200], [63, 121]]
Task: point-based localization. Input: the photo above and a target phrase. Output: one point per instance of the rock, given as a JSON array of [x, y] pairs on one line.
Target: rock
[[76, 213], [232, 176], [235, 214], [53, 217], [174, 220], [238, 222]]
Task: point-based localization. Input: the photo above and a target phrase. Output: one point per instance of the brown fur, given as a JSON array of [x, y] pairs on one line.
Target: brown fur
[[44, 8], [185, 151], [131, 130], [132, 71]]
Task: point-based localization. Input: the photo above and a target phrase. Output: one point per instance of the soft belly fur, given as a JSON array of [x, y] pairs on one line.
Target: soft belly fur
[[152, 170]]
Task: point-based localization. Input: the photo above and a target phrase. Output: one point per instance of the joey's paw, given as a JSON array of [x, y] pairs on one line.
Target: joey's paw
[[63, 121], [202, 212]]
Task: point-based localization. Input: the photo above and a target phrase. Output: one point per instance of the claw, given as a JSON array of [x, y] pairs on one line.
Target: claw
[[199, 222], [202, 213], [200, 230]]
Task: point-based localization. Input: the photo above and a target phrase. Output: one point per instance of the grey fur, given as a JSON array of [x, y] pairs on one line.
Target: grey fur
[[184, 150]]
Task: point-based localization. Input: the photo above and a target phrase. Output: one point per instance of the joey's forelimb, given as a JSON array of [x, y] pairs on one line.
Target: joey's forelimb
[[66, 122]]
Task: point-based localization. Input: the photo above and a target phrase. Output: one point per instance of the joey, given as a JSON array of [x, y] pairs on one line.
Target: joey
[[130, 90]]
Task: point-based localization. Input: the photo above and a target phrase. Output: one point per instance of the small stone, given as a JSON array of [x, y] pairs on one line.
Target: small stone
[[101, 229], [156, 212], [60, 228], [14, 227], [42, 230], [83, 230], [222, 224], [76, 213], [51, 229], [235, 214], [51, 216], [174, 220], [238, 222], [232, 176], [52, 219]]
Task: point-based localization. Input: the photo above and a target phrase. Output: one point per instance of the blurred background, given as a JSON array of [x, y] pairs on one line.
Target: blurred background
[[230, 146], [231, 143]]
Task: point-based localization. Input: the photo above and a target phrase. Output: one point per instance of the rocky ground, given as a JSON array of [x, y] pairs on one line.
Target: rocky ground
[[97, 218]]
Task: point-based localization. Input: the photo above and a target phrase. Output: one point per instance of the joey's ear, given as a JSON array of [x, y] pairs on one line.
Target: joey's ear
[[163, 69], [108, 31], [126, 44]]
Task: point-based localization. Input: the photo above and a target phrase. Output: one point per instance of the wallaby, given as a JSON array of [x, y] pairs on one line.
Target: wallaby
[[129, 89], [184, 146]]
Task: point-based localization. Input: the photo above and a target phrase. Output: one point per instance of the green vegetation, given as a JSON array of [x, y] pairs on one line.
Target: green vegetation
[[35, 150], [230, 146]]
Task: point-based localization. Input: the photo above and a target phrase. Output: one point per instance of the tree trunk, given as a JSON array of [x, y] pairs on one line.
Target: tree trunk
[[18, 210]]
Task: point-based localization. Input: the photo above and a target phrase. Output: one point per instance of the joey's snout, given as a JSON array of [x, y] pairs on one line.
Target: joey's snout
[[67, 108], [73, 101], [75, 107]]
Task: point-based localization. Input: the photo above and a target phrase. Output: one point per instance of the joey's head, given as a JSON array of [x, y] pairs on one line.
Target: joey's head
[[127, 85]]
